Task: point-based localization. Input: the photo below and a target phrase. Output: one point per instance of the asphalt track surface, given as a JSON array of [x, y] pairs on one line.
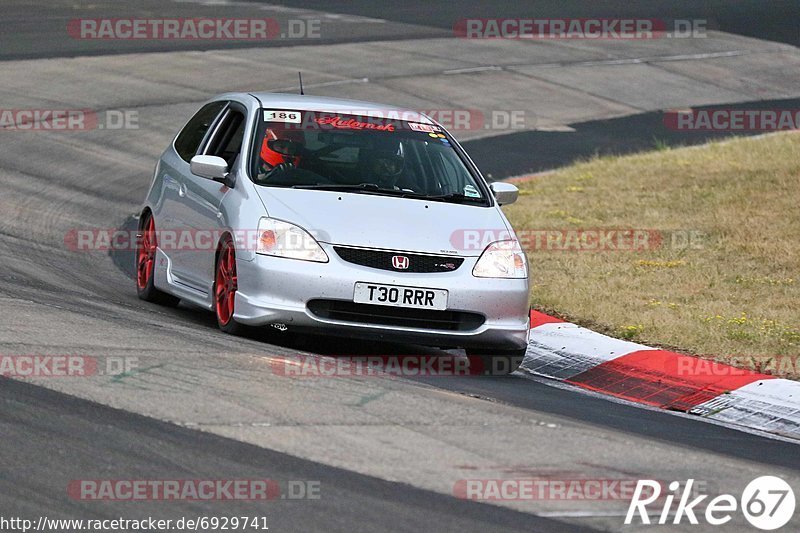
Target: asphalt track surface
[[42, 427], [202, 405], [763, 20], [28, 23]]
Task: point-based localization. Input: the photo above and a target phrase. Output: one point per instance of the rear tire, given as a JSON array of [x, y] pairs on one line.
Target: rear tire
[[497, 362], [146, 245], [225, 287]]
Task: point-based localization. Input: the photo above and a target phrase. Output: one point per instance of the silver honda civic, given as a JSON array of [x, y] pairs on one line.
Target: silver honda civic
[[335, 216]]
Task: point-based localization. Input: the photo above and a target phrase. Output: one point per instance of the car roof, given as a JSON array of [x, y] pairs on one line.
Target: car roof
[[337, 105]]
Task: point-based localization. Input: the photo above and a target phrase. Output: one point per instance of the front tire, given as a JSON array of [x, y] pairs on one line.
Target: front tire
[[497, 362], [225, 287], [146, 246]]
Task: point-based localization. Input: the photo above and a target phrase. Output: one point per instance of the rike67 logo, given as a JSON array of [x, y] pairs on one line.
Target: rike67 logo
[[767, 503]]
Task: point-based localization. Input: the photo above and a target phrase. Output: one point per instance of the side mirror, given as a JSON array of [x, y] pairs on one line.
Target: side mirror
[[504, 193], [209, 166]]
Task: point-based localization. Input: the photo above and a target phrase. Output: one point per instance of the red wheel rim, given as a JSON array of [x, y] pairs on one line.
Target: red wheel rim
[[225, 286], [146, 254]]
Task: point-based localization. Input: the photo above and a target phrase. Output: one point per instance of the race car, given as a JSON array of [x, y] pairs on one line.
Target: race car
[[338, 217]]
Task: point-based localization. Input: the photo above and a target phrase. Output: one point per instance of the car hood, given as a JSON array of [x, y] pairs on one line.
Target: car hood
[[373, 221]]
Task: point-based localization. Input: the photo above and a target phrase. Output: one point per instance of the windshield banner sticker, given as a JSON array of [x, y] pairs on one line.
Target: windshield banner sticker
[[425, 128], [352, 124]]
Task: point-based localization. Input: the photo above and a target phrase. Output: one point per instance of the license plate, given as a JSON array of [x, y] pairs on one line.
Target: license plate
[[399, 296]]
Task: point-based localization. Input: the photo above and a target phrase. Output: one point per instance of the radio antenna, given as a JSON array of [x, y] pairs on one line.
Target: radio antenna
[[300, 75]]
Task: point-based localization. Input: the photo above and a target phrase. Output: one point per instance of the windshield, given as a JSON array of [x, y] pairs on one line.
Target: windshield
[[358, 154]]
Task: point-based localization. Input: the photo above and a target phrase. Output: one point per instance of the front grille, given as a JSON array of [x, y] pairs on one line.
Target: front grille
[[395, 316], [382, 260]]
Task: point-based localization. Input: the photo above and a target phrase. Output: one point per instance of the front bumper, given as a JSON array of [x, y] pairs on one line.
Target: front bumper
[[273, 290]]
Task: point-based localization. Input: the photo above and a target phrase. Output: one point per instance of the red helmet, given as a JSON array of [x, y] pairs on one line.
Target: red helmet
[[273, 158]]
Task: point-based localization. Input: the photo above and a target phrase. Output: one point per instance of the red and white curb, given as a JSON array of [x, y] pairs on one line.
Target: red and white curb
[[581, 357]]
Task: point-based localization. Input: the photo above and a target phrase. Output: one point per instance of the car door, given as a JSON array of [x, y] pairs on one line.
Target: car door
[[172, 172], [201, 215]]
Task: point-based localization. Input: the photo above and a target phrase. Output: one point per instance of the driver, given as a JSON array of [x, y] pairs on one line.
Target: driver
[[274, 162], [384, 166]]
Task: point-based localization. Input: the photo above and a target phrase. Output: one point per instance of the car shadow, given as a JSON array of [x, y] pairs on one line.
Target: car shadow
[[124, 258], [526, 152]]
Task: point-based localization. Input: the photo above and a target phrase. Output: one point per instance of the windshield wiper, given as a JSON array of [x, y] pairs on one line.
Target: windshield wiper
[[363, 187], [455, 197]]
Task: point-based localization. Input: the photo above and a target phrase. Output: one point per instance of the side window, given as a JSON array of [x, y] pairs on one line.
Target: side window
[[191, 136], [227, 140]]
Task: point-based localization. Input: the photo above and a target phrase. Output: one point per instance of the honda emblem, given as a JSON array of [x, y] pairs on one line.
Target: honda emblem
[[400, 262]]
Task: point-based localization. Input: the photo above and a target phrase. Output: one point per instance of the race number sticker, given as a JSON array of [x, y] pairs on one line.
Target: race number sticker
[[276, 115]]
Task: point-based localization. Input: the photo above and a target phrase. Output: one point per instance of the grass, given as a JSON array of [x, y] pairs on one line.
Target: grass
[[723, 284]]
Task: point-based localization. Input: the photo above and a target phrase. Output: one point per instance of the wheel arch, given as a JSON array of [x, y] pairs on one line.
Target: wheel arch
[[226, 235], [146, 211]]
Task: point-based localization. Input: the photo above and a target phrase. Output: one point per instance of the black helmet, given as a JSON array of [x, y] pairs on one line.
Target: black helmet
[[384, 165]]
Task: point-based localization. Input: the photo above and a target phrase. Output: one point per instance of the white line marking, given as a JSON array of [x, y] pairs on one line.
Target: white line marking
[[321, 84], [471, 69], [580, 514]]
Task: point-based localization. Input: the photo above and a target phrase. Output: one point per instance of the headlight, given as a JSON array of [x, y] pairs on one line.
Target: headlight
[[502, 259], [281, 239]]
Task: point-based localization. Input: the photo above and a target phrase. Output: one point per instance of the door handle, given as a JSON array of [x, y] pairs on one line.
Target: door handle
[[182, 190]]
